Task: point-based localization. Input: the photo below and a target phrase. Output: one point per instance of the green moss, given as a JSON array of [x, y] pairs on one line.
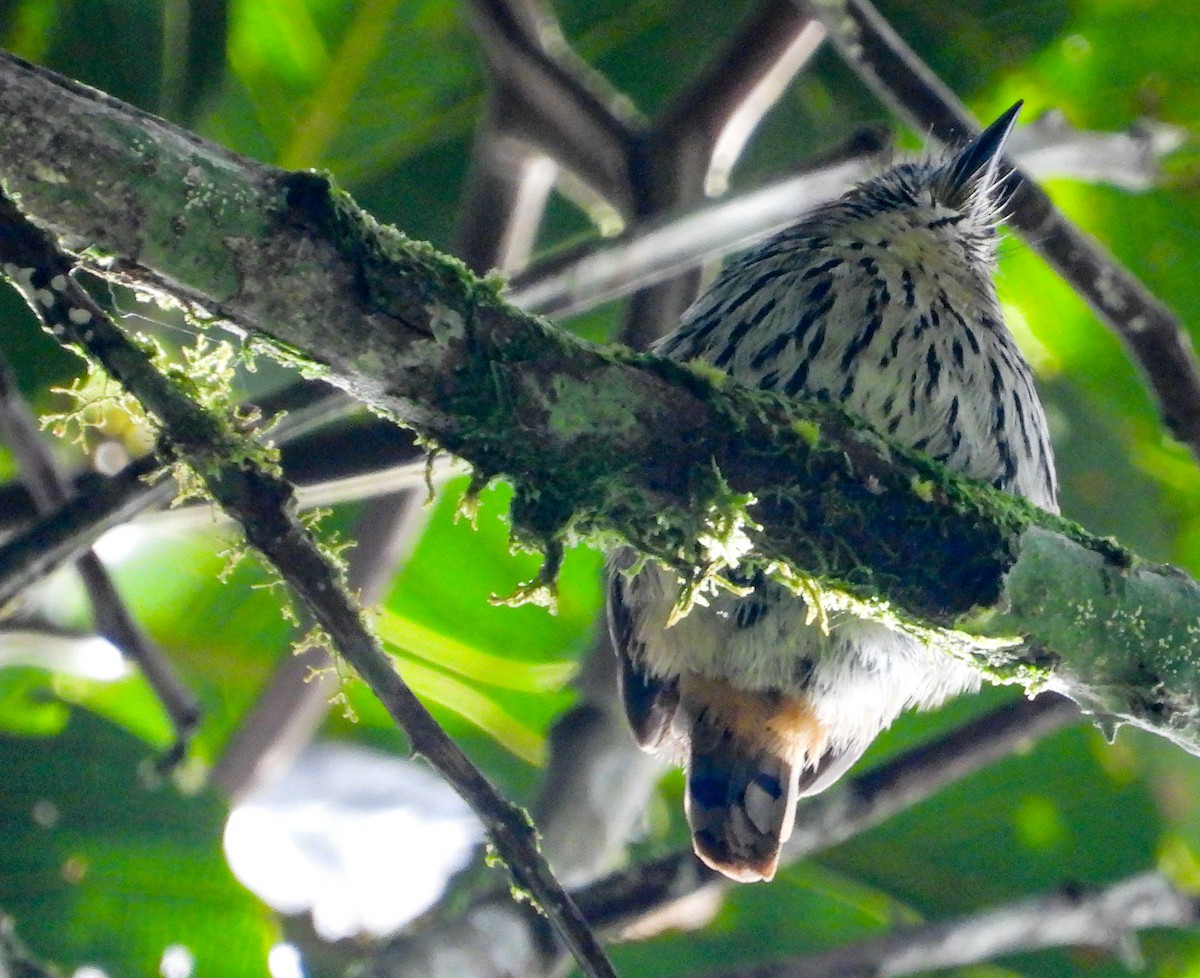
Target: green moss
[[392, 266], [809, 430]]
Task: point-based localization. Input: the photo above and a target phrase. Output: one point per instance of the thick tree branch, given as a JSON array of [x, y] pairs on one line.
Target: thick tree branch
[[604, 440]]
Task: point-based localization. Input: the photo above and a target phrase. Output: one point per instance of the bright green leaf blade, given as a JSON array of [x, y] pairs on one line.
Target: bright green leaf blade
[[458, 657], [472, 705], [27, 705]]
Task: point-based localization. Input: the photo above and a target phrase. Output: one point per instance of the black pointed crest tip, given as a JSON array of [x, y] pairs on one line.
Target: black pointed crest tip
[[981, 156]]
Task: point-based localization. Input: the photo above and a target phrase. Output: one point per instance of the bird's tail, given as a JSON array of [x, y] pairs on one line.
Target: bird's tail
[[747, 752]]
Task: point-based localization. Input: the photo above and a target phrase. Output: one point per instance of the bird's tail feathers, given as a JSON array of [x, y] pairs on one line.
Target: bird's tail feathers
[[747, 750]]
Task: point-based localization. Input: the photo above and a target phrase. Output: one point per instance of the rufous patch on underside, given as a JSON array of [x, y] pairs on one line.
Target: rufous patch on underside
[[782, 725]]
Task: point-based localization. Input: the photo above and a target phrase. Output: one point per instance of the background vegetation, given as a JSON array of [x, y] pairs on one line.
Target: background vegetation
[[103, 863]]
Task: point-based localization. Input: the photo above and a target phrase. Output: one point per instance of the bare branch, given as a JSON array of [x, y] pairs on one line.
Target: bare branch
[[1153, 334], [596, 781], [677, 163], [1108, 919], [29, 555], [655, 249], [1050, 147], [544, 95], [702, 133]]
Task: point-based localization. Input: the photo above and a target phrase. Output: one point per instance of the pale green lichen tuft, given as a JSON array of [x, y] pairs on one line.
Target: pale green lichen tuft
[[575, 406], [810, 431], [719, 379], [807, 587], [721, 541], [468, 505], [542, 591], [317, 639], [922, 489], [100, 407]]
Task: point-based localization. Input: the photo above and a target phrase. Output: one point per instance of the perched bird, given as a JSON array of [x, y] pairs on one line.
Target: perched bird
[[883, 302]]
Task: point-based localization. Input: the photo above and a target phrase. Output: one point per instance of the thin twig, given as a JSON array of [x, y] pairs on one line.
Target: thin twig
[[874, 796], [1152, 332], [263, 504], [502, 205], [99, 503], [143, 488], [51, 488], [1108, 919], [30, 554]]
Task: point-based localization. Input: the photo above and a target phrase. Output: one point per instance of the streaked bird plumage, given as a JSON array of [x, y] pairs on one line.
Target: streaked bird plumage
[[883, 302]]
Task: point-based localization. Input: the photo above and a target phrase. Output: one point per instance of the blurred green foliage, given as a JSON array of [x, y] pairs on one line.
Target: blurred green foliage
[[385, 93]]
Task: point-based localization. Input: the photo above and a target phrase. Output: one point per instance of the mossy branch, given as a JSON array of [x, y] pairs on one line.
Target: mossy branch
[[602, 441]]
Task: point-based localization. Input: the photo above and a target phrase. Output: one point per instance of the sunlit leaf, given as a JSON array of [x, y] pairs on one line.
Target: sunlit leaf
[[453, 656], [472, 705]]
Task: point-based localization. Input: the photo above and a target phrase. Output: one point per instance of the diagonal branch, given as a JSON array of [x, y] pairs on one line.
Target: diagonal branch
[[30, 554], [244, 485], [660, 247], [651, 250], [689, 150], [701, 134], [1150, 330], [546, 96]]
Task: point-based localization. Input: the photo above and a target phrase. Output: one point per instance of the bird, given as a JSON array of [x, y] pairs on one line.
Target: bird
[[883, 302]]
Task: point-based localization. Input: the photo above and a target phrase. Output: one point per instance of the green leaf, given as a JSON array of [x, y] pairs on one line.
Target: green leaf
[[472, 705], [100, 868], [421, 642]]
